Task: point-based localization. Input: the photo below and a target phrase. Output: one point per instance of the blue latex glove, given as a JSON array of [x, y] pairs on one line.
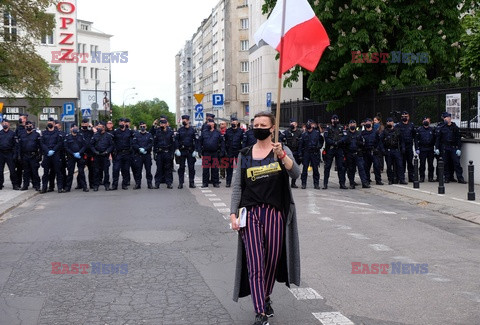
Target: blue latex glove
[[459, 153], [195, 154], [437, 152], [50, 153], [178, 153], [142, 151], [77, 155], [418, 152]]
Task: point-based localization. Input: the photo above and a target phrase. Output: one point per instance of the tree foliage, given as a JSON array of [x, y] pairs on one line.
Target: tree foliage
[[22, 71], [383, 26], [146, 111], [470, 41]]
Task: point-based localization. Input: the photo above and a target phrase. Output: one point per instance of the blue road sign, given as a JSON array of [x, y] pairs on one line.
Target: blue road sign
[[69, 108], [198, 115], [269, 99], [1, 118], [199, 108], [217, 99], [86, 112]]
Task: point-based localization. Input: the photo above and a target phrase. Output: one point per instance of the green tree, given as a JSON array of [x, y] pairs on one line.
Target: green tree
[[383, 26], [22, 71], [147, 111], [470, 42]]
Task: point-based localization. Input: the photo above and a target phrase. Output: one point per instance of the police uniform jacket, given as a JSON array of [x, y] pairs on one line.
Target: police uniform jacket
[[51, 140], [425, 138], [334, 136], [448, 136], [122, 140], [186, 139], [212, 141], [102, 143], [8, 141], [142, 140], [371, 138], [408, 132], [233, 140], [75, 144], [311, 142], [291, 139], [354, 142], [29, 143], [248, 139], [391, 139]]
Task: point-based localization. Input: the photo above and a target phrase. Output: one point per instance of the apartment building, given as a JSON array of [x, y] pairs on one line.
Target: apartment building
[[226, 61]]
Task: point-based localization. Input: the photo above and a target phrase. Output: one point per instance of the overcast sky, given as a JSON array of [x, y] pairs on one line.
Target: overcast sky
[[152, 32]]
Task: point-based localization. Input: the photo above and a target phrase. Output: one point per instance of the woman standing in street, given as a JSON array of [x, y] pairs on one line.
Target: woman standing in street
[[262, 187]]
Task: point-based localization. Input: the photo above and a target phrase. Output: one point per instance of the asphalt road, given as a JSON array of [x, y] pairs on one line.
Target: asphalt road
[[173, 261]]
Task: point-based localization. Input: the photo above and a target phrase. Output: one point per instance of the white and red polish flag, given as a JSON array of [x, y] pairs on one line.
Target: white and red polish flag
[[304, 39]]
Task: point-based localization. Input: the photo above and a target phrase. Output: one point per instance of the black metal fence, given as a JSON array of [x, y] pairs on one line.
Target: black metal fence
[[418, 101]]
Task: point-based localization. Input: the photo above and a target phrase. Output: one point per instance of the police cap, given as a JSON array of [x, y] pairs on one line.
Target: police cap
[[446, 114], [389, 119], [185, 117]]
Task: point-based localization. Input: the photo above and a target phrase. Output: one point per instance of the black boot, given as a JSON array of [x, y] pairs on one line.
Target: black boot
[[293, 184]]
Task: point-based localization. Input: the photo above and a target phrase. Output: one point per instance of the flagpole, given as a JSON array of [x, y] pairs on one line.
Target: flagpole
[[279, 89]]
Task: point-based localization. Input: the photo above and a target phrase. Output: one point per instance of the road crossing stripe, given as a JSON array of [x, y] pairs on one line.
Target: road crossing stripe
[[305, 293], [332, 318]]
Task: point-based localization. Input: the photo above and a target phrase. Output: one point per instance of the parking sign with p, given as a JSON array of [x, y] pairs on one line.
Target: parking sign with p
[[217, 99]]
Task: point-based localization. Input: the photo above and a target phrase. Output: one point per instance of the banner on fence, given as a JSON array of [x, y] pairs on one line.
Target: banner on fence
[[454, 107]]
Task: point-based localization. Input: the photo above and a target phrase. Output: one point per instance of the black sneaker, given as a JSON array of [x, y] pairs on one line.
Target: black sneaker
[[261, 320], [268, 308]]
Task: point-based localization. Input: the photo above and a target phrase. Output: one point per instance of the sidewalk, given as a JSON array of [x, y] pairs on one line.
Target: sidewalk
[[454, 202]]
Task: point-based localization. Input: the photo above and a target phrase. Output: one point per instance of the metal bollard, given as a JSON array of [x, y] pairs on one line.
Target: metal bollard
[[471, 183], [441, 184], [416, 183]]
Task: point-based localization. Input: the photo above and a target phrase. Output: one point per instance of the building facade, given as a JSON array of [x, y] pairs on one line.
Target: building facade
[[79, 72], [226, 61]]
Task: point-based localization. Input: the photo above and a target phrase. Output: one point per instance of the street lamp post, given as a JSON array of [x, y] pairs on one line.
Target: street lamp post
[[124, 93]]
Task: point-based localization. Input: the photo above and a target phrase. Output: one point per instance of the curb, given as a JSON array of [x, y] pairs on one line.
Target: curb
[[19, 200]]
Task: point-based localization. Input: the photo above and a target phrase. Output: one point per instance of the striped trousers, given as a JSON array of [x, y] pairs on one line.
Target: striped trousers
[[263, 240]]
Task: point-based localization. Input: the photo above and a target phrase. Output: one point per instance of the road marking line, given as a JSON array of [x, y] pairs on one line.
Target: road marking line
[[342, 227], [442, 195], [214, 199], [326, 219], [219, 205], [380, 247], [405, 259], [225, 217], [441, 279], [210, 195], [223, 210], [344, 201], [358, 236], [462, 200], [332, 318], [305, 293], [206, 191]]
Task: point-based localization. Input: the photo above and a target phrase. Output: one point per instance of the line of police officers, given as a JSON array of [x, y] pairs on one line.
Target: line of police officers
[[353, 150]]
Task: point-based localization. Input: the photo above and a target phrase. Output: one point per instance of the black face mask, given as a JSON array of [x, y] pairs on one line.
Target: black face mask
[[127, 126], [162, 127], [234, 126], [5, 126], [20, 121], [75, 131], [368, 125], [426, 123], [352, 128], [308, 126], [389, 126], [261, 134], [184, 123], [29, 128], [335, 123], [122, 126], [84, 127], [292, 127], [404, 119], [50, 125]]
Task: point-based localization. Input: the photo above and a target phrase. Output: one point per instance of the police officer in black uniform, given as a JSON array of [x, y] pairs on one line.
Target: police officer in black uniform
[[212, 145], [354, 147], [309, 148], [407, 129], [371, 152], [30, 152], [122, 139], [392, 146], [164, 146], [291, 138], [89, 156], [424, 148], [63, 160], [248, 137], [142, 144], [8, 153], [186, 150], [102, 146], [449, 146], [75, 146], [19, 131], [233, 145], [52, 143], [334, 149]]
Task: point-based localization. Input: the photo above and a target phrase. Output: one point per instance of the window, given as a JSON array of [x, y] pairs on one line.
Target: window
[[244, 66], [56, 71], [244, 45], [93, 73], [244, 23], [84, 27], [47, 39], [245, 88], [9, 28]]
